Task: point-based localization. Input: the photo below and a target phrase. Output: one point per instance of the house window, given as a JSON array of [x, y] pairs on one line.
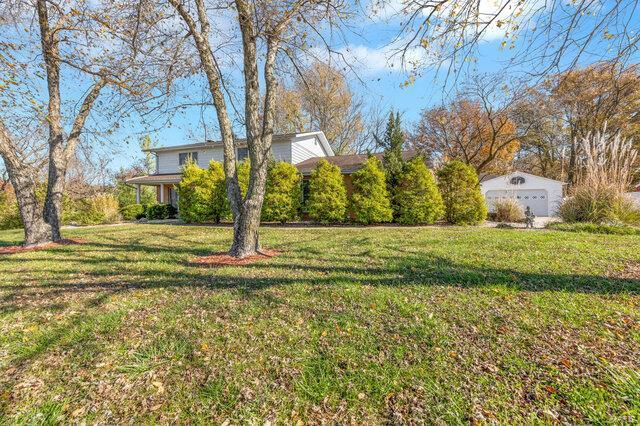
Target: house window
[[517, 180], [183, 157], [305, 193], [242, 154]]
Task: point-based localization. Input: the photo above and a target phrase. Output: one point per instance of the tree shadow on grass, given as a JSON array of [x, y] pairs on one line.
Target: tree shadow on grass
[[166, 266]]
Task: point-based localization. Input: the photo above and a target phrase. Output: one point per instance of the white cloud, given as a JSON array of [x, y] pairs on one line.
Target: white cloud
[[367, 60]]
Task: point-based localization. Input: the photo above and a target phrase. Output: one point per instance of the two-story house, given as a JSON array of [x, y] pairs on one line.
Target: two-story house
[[294, 148]]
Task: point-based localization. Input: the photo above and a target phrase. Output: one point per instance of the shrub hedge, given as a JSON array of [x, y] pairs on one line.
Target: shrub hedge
[[282, 199], [460, 190], [327, 194], [370, 201], [416, 195]]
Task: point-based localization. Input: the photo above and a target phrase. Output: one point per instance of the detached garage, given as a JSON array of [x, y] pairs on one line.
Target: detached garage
[[541, 194]]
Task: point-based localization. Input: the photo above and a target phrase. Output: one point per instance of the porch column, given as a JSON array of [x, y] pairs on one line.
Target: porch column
[[138, 194], [162, 193]]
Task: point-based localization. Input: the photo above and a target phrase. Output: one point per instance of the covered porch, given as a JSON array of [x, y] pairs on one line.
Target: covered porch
[[165, 186]]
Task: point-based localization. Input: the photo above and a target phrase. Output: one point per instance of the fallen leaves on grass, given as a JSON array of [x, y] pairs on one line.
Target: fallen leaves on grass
[[224, 259], [20, 249]]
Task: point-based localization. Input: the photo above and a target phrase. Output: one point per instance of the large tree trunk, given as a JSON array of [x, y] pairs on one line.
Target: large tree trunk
[[36, 230], [247, 211], [55, 189], [22, 177]]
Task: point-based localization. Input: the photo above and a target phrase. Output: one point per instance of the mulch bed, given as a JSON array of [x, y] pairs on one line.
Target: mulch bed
[[223, 259], [21, 249]]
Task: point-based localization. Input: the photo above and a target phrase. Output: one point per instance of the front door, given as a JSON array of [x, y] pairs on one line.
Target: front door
[[173, 197]]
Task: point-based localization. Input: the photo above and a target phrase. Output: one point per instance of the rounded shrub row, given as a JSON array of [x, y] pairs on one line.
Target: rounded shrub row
[[416, 198]]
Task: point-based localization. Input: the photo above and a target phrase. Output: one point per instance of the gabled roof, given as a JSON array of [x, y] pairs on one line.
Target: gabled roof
[[514, 173], [348, 163], [242, 142]]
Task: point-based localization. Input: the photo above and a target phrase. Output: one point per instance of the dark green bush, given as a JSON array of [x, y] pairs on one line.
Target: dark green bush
[[160, 211], [460, 190], [327, 194], [132, 211], [370, 201], [416, 195], [283, 193]]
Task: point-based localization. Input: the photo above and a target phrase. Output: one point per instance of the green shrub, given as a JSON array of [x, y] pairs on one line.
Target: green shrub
[[460, 190], [9, 213], [195, 191], [595, 228], [219, 202], [132, 211], [327, 195], [97, 210], [600, 204], [160, 211], [370, 201], [243, 171], [126, 194], [507, 211], [416, 195], [282, 197]]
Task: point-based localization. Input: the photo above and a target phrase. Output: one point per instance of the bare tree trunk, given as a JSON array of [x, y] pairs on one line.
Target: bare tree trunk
[[247, 211], [22, 177], [55, 189]]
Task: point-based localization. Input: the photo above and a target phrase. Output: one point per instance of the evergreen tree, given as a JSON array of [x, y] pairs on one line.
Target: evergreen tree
[[393, 143], [370, 201], [283, 193], [416, 195], [327, 194], [460, 189]]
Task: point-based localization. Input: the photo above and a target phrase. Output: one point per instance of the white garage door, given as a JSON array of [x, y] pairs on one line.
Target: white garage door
[[536, 199]]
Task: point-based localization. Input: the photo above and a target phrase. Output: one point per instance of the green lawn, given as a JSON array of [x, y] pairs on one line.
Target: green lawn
[[373, 325]]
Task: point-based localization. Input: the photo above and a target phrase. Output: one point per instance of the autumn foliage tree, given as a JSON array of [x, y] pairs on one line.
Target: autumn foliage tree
[[471, 129], [321, 99]]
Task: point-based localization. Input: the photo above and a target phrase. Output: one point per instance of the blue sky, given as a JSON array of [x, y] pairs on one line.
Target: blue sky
[[377, 78]]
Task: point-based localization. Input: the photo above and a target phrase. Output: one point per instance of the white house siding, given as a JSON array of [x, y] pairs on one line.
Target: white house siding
[[303, 149], [168, 160], [548, 193]]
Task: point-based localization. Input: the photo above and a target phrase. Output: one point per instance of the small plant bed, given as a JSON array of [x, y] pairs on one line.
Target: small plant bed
[[22, 249], [595, 228], [224, 259]]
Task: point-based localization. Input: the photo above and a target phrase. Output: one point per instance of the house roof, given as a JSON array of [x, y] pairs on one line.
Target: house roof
[[348, 163], [488, 177], [242, 142], [155, 179]]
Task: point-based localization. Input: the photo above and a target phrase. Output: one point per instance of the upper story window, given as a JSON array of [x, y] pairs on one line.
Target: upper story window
[[183, 157], [517, 180], [242, 154]]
